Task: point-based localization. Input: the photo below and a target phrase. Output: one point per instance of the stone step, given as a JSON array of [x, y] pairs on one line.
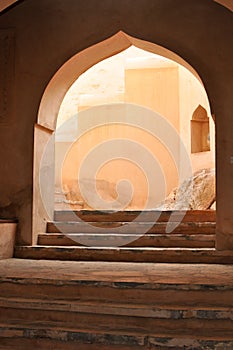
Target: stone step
[[122, 306], [101, 307], [205, 327], [163, 285], [146, 215], [34, 337], [99, 288], [125, 254], [132, 240], [132, 227]]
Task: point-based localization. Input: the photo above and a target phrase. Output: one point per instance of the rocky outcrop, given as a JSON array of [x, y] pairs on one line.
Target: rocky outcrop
[[195, 193]]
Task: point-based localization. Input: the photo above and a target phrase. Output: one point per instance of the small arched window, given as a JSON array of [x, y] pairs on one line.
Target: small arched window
[[200, 131]]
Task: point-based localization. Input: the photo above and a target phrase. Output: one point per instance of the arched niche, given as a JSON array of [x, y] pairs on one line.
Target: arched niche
[[200, 131]]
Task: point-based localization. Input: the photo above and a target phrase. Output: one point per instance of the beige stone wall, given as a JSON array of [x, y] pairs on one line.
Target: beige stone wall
[[144, 79], [102, 83]]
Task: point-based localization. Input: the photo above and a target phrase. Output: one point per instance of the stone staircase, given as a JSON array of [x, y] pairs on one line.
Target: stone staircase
[[120, 306], [105, 280], [128, 236]]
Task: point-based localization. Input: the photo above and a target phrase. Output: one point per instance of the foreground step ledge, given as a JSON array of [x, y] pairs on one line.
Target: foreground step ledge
[[125, 254], [126, 272]]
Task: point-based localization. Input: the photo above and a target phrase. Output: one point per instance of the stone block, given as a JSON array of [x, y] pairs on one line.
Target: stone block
[[7, 239]]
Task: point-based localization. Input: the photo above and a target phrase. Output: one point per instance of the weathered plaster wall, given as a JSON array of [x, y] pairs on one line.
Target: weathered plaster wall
[[49, 32], [145, 79]]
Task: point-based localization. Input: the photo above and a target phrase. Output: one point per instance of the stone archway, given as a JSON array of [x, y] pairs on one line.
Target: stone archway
[[52, 99]]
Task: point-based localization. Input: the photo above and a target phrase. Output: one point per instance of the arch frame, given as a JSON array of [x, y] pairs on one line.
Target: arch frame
[[52, 98]]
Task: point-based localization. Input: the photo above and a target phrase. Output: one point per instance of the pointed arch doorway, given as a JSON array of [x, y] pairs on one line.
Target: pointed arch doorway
[[43, 208]]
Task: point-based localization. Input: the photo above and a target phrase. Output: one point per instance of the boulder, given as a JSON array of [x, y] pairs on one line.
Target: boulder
[[195, 193]]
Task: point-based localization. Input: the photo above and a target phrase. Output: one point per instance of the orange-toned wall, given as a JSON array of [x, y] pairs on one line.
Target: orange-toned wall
[[166, 88], [156, 88], [118, 169]]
